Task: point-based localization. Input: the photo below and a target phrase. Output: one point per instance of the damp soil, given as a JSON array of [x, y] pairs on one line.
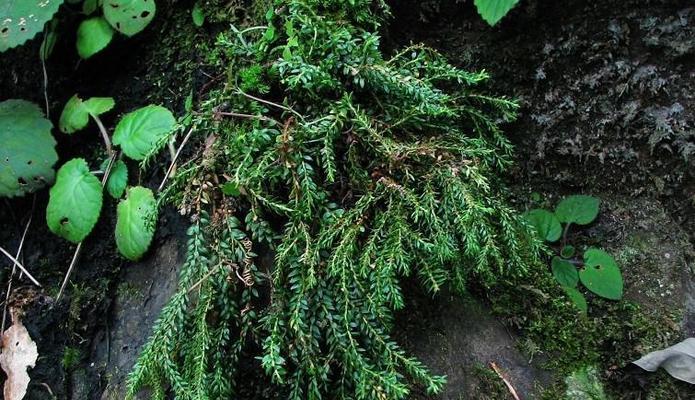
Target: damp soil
[[607, 109]]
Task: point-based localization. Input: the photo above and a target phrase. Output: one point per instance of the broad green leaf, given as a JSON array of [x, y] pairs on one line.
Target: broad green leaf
[[75, 201], [75, 115], [577, 299], [198, 15], [493, 10], [601, 274], [93, 36], [139, 132], [129, 16], [545, 223], [21, 20], [118, 179], [27, 148], [136, 221], [567, 252], [577, 209], [564, 272]]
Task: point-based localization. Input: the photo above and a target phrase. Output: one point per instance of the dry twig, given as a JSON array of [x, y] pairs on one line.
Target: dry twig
[[14, 267], [498, 371]]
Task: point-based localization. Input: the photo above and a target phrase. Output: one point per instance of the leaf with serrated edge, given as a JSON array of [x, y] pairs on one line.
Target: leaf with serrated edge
[[140, 131], [601, 274], [74, 202], [75, 115], [118, 179], [99, 105], [93, 35], [577, 209], [136, 221], [21, 20], [27, 148]]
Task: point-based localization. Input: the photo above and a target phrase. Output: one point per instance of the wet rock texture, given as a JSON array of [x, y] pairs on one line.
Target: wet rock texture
[[606, 94]]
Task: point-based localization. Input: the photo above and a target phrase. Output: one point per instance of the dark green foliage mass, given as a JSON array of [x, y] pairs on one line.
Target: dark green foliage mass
[[356, 170]]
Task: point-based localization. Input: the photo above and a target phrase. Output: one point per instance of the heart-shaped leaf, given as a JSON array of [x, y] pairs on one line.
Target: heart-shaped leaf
[[136, 221], [140, 131], [118, 179], [493, 10], [577, 209], [577, 298], [545, 223], [93, 36], [129, 16], [75, 115], [27, 148], [564, 272], [21, 20], [601, 274], [75, 201]]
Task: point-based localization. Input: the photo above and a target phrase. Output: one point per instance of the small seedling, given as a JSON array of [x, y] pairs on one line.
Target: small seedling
[[76, 198], [596, 270]]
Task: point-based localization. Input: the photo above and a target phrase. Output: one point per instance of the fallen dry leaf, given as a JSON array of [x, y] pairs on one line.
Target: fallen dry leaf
[[18, 353], [678, 360]]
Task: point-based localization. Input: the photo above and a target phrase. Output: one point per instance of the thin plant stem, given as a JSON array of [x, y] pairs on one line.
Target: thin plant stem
[[249, 116], [104, 134], [176, 157], [270, 103], [564, 234], [14, 267], [21, 267]]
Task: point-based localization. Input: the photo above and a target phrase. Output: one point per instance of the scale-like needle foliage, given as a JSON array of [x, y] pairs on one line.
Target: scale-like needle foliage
[[357, 171]]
